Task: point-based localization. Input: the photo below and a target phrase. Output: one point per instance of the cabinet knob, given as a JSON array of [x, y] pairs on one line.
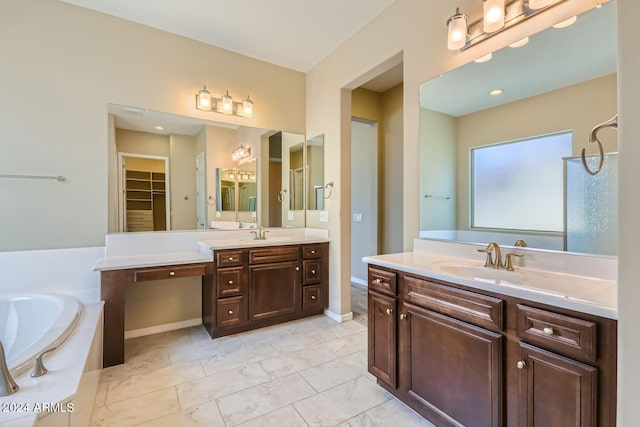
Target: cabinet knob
[[521, 364], [313, 272], [297, 268], [172, 273], [548, 330], [403, 316], [230, 258], [313, 297], [230, 311], [231, 282], [389, 311], [313, 252], [377, 281]]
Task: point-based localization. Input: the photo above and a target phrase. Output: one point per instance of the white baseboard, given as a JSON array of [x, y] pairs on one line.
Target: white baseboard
[[359, 281], [339, 317], [162, 328]]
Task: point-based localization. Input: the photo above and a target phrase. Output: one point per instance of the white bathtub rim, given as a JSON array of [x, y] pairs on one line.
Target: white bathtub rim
[[63, 327]]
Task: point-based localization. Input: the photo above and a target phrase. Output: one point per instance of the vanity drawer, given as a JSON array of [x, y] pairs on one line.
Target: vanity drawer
[[169, 272], [312, 298], [312, 251], [382, 281], [567, 335], [229, 258], [480, 310], [231, 311], [231, 281], [311, 272], [274, 254]]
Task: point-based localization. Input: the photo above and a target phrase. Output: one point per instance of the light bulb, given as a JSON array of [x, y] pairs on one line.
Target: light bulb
[[227, 104], [457, 26], [247, 107], [493, 11], [203, 100]]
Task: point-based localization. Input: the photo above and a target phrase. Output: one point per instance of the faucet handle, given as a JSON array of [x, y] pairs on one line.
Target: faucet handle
[[508, 264], [521, 243], [489, 261], [255, 234]]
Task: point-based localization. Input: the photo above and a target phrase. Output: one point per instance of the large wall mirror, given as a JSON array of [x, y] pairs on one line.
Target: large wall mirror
[[500, 143], [315, 173], [178, 173]]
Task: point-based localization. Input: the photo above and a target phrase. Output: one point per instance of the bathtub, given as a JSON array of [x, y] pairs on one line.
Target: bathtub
[[30, 324]]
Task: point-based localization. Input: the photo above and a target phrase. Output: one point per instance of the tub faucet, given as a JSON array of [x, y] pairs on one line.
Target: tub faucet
[[7, 384]]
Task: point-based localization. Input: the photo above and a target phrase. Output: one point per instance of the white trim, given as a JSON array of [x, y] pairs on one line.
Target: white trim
[[359, 281], [162, 328], [338, 317]]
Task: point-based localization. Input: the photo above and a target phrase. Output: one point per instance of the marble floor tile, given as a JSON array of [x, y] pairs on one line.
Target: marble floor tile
[[257, 401], [101, 395], [235, 359], [393, 412], [136, 385], [289, 363], [345, 401], [300, 340], [221, 384], [136, 365], [346, 328], [137, 410], [285, 417], [204, 349], [348, 344], [336, 372], [206, 415]]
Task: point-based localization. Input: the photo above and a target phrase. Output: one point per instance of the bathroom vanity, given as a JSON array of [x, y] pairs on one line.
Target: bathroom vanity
[[461, 354], [246, 283]]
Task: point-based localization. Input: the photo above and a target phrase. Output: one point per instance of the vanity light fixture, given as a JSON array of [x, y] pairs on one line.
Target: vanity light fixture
[[497, 16], [224, 105], [457, 27], [493, 15], [240, 152]]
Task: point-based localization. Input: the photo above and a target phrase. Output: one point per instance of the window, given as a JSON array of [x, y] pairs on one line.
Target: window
[[519, 185]]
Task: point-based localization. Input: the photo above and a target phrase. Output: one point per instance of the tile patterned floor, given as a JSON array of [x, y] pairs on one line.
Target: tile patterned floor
[[311, 372]]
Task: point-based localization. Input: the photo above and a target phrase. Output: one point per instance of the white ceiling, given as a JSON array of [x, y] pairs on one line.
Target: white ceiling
[[553, 59], [296, 34]]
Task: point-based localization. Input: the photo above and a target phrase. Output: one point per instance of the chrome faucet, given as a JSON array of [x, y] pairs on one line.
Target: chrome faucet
[[260, 234], [7, 384]]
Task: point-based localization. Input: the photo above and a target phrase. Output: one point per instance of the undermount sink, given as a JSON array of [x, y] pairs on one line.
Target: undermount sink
[[482, 274]]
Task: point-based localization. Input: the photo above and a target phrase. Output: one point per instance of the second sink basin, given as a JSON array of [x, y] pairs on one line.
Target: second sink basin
[[264, 241], [482, 274]]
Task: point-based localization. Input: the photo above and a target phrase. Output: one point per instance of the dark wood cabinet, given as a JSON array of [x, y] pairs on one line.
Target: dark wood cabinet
[[274, 289], [555, 390], [382, 337], [255, 287], [452, 368], [463, 357]]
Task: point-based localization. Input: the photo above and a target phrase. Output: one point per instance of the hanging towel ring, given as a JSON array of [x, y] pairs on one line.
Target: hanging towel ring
[[612, 123], [329, 187]]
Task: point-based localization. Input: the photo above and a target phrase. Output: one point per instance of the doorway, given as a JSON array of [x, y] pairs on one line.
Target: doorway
[[143, 193]]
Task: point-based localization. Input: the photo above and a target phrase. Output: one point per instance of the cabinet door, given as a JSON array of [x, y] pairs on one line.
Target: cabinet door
[[555, 390], [450, 367], [274, 289], [382, 337]]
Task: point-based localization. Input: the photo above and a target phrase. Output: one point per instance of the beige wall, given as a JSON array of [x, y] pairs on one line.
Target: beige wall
[[142, 164], [134, 142], [74, 62]]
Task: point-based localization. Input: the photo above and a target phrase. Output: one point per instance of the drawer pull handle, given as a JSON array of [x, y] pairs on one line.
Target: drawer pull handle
[[548, 330], [172, 273], [230, 258], [377, 281], [231, 282], [313, 297], [313, 252], [297, 268], [403, 316], [521, 364], [313, 272], [230, 311], [389, 311]]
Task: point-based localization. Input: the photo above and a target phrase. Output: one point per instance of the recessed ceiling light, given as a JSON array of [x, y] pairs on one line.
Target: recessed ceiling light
[[520, 43], [495, 92], [485, 58], [566, 22], [158, 128]]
